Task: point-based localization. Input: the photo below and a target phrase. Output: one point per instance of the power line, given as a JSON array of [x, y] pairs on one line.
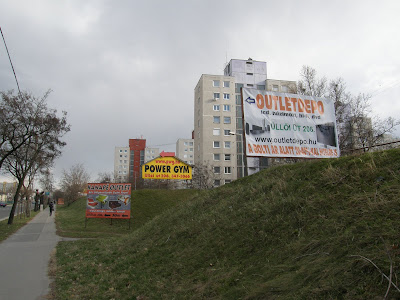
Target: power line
[[9, 58], [162, 145], [385, 87]]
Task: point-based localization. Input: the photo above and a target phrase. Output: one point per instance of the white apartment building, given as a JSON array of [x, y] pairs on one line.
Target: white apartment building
[[185, 150], [214, 118], [218, 118], [121, 164], [150, 154]]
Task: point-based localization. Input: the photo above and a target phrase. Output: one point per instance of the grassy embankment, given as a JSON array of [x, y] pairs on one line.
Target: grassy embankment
[[301, 231], [145, 205]]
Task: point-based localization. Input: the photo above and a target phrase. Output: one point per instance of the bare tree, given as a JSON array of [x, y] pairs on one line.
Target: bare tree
[[309, 84], [24, 163], [46, 180], [105, 177], [23, 117], [73, 182], [203, 177], [356, 128], [35, 144], [365, 131]]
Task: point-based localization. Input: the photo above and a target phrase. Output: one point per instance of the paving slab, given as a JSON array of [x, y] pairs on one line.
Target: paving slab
[[24, 259]]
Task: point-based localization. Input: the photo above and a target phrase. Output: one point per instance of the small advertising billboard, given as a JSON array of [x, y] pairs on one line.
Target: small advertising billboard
[[288, 125], [108, 200], [168, 167]]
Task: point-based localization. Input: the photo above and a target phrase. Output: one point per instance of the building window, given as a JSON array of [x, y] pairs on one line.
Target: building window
[[275, 88], [227, 170], [238, 100], [227, 145], [216, 144], [217, 119], [250, 85], [190, 143], [226, 132], [227, 120], [227, 107], [217, 170], [226, 96], [216, 96], [227, 181], [216, 157], [284, 88], [227, 157], [216, 131], [250, 74], [216, 83], [120, 151], [217, 182], [239, 111], [216, 108], [226, 83], [190, 149], [238, 86]]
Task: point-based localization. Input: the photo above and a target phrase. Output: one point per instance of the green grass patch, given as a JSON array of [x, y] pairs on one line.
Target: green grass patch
[[18, 222], [145, 205], [290, 232]]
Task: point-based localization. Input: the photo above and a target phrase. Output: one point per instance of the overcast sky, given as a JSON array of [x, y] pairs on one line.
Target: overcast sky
[[127, 69]]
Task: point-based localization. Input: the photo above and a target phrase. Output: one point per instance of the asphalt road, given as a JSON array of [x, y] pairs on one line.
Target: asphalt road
[[5, 212]]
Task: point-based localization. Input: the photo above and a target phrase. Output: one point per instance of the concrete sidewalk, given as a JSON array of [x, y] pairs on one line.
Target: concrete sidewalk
[[24, 259]]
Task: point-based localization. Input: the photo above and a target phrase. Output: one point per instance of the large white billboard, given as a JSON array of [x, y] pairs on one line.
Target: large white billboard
[[288, 125]]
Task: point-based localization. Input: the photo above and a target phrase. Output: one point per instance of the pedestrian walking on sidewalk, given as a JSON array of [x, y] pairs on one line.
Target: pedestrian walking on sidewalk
[[51, 206]]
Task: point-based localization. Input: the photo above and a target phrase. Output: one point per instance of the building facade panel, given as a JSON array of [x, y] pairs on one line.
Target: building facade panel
[[215, 115], [185, 150], [121, 164]]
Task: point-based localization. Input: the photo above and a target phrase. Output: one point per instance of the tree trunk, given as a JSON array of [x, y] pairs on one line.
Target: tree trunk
[[28, 207], [14, 206]]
